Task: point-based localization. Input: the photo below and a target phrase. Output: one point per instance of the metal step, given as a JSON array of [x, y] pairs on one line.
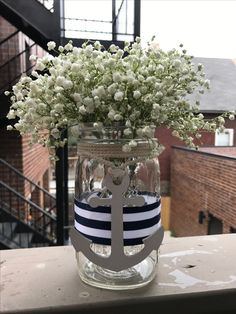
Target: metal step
[[6, 217], [43, 244], [7, 229], [7, 243], [7, 235], [22, 227], [24, 239]]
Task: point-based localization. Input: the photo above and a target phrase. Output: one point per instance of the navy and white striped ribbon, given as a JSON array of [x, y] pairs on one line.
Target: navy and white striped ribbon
[[138, 222]]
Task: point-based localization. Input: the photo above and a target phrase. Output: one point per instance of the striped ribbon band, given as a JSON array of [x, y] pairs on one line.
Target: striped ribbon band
[[138, 222]]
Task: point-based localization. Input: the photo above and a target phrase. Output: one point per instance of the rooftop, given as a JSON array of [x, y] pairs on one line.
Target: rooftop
[[222, 76], [222, 151]]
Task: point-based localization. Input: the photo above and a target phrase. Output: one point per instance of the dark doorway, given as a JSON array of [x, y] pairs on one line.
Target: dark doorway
[[215, 225], [232, 230]]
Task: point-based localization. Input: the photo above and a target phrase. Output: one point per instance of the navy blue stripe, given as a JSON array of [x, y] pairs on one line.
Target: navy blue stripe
[[141, 224], [105, 241], [126, 210], [96, 224], [106, 225]]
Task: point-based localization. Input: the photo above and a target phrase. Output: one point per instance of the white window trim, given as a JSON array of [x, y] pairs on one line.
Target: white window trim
[[229, 132]]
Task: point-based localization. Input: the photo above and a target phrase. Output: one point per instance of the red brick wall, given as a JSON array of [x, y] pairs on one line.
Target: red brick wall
[[10, 148], [33, 161], [165, 138], [201, 181], [8, 50]]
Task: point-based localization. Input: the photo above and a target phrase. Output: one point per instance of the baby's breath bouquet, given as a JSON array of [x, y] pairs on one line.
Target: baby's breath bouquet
[[138, 88]]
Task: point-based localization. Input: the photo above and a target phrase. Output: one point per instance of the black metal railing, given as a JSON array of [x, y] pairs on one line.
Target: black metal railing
[[25, 186], [31, 217], [90, 28], [48, 4], [9, 37], [15, 67]]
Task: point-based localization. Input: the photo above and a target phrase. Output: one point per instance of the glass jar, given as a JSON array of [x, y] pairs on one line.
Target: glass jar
[[136, 173]]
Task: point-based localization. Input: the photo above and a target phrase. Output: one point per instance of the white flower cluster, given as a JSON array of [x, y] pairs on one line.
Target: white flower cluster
[[135, 87]]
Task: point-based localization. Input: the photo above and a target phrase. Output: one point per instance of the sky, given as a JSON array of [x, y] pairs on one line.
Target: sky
[[206, 28]]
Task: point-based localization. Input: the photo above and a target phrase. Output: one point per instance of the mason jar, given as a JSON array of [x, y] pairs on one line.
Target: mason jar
[[125, 183]]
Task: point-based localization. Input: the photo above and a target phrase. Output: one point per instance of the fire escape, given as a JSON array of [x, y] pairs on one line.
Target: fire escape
[[43, 21]]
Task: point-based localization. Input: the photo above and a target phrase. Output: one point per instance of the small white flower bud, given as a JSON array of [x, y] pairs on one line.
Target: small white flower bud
[[128, 124], [11, 114], [60, 49], [136, 94], [75, 67], [82, 109], [156, 106], [116, 77], [35, 74], [67, 84], [127, 132], [77, 97], [111, 115], [133, 143], [198, 135], [51, 45], [126, 148], [119, 96], [68, 47], [33, 58], [117, 117]]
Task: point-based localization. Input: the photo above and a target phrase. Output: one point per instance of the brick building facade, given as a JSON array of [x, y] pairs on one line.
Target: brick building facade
[[33, 161], [203, 191], [165, 138]]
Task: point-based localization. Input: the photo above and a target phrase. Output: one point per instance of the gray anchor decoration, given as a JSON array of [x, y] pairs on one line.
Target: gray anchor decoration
[[117, 260]]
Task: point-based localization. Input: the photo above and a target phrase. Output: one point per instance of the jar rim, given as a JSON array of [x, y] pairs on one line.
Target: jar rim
[[97, 126]]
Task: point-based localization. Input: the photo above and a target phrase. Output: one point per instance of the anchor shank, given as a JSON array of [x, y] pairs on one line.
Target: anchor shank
[[117, 226]]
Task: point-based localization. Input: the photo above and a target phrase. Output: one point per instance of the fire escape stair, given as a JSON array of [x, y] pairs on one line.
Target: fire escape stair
[[25, 222], [12, 238], [15, 232], [41, 27]]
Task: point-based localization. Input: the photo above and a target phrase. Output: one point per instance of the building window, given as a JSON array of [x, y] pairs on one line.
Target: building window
[[224, 138]]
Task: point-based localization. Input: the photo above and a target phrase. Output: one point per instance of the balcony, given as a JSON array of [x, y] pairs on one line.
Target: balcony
[[194, 275]]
